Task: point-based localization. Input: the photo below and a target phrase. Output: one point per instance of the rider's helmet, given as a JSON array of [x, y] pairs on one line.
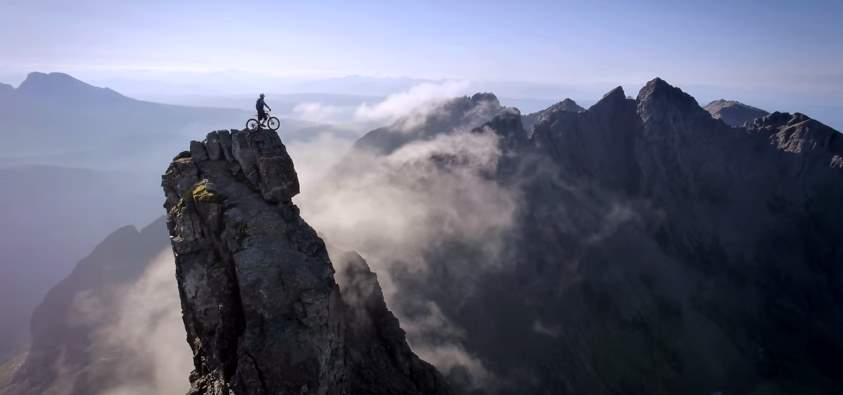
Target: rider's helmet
[[261, 95]]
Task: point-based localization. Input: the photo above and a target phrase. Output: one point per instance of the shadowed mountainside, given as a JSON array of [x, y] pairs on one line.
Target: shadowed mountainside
[[654, 250], [651, 249], [65, 356]]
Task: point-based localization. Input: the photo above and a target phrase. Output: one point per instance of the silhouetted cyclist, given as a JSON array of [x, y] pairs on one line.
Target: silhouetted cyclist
[[260, 105]]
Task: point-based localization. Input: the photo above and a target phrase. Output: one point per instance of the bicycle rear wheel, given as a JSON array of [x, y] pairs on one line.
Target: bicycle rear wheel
[[273, 123], [252, 124]]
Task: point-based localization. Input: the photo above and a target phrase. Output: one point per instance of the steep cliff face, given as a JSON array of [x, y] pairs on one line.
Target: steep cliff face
[[262, 310], [722, 241]]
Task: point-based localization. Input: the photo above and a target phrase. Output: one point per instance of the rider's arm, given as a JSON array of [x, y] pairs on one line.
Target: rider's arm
[[267, 107]]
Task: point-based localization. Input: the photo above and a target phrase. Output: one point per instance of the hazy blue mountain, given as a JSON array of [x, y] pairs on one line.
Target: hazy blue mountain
[[70, 351], [55, 118], [51, 217], [78, 161]]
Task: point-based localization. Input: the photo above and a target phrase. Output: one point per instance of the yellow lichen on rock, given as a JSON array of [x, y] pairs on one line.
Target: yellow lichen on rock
[[203, 192]]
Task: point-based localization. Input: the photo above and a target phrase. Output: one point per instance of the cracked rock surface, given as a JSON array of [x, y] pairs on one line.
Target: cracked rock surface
[[262, 310]]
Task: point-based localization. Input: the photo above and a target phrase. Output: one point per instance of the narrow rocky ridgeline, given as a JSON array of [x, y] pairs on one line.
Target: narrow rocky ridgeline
[[262, 310]]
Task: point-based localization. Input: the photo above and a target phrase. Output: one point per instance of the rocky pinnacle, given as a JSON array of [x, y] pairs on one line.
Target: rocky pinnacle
[[262, 310]]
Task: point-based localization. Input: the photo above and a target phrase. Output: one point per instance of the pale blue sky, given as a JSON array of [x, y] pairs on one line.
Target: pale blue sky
[[782, 47]]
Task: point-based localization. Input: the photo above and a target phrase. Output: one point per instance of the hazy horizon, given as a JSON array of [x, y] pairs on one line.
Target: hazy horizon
[[539, 50], [390, 229]]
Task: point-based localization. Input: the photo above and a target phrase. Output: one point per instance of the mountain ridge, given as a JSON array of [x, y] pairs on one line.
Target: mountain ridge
[[63, 356], [655, 238], [651, 247], [733, 112], [43, 85]]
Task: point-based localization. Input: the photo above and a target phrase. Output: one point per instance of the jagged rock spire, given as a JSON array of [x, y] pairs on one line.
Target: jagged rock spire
[[261, 308]]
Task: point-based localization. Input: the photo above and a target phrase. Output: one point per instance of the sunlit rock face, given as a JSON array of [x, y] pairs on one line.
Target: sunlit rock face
[[262, 310], [733, 113]]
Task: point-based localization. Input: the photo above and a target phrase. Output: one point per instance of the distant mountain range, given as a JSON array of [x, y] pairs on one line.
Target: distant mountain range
[[55, 118], [72, 350], [53, 216], [76, 161], [640, 245]]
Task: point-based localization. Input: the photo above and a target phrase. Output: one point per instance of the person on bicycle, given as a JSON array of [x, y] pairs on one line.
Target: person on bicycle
[[260, 105]]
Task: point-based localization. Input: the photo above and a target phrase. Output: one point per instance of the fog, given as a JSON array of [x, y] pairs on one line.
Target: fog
[[392, 209], [398, 210], [148, 326], [395, 209]]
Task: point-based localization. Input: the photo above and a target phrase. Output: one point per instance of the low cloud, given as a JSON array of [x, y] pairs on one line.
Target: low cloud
[[408, 107], [396, 206], [438, 341], [322, 113], [405, 105], [315, 157], [396, 209], [148, 328]]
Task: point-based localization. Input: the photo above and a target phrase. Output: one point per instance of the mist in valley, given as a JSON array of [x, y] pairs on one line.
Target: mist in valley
[[630, 240]]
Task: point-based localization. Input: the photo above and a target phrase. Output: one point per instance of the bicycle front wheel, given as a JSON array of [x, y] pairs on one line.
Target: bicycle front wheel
[[252, 124], [273, 123]]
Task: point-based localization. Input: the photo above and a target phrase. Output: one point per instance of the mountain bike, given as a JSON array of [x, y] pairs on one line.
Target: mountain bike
[[271, 123]]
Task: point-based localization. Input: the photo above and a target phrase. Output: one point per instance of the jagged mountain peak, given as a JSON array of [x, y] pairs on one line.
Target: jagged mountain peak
[[566, 105], [485, 97], [733, 112], [778, 119], [659, 101], [570, 103], [614, 93], [61, 84], [611, 99], [658, 88], [797, 133]]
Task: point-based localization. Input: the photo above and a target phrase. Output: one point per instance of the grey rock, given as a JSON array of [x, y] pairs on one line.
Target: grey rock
[[198, 152], [734, 113], [485, 97], [566, 105], [656, 250], [261, 308], [212, 143], [225, 144]]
